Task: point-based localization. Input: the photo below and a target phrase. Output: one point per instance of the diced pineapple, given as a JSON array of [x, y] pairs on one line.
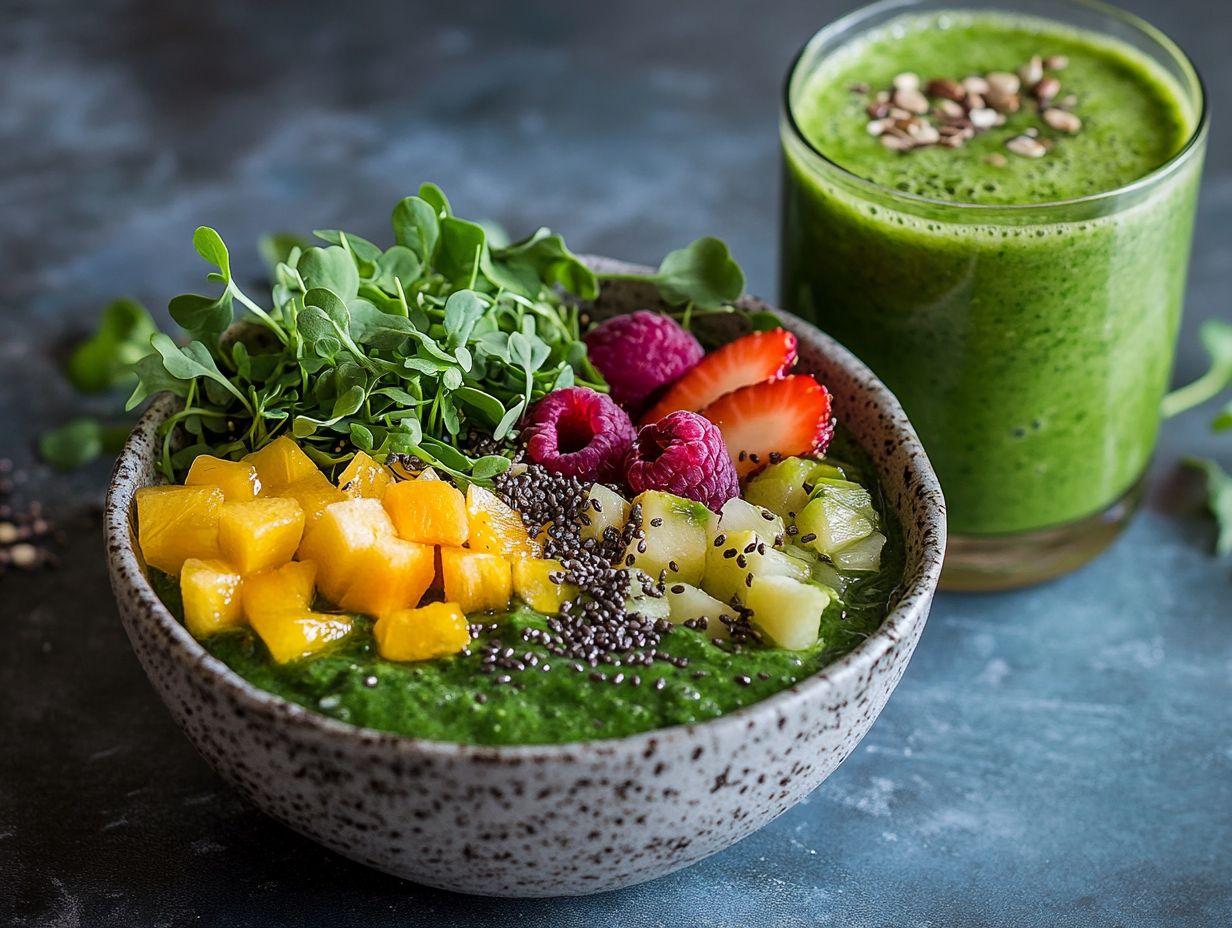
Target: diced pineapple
[[176, 523], [279, 463], [533, 582], [291, 635], [334, 540], [738, 515], [364, 478], [494, 528], [864, 554], [477, 582], [676, 534], [313, 493], [687, 602], [432, 512], [210, 592], [260, 533], [732, 566], [434, 630], [602, 508], [238, 480], [829, 526], [289, 588], [788, 611]]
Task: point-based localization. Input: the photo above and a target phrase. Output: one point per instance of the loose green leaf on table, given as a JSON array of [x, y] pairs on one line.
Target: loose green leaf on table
[[80, 441], [104, 360], [1219, 500]]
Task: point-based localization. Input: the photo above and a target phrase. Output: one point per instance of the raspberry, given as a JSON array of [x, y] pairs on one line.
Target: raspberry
[[683, 453], [640, 353], [580, 433]]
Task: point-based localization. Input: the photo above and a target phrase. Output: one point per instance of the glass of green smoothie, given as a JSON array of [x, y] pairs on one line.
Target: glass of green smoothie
[[993, 207]]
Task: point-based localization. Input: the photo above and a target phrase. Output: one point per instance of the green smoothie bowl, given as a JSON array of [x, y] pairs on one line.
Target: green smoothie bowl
[[583, 642]]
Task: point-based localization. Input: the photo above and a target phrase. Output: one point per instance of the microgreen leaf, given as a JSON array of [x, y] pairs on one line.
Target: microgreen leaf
[[416, 225], [1219, 500], [1216, 336], [544, 257], [463, 309], [276, 247], [360, 247], [435, 196], [461, 251], [103, 360], [210, 246], [330, 269], [201, 317], [702, 273]]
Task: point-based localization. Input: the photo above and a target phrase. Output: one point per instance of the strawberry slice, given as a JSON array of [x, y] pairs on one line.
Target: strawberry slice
[[775, 418], [750, 359]]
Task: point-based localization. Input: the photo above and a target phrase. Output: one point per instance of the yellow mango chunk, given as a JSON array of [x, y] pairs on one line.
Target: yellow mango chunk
[[238, 480], [532, 581], [334, 540], [431, 512], [261, 533], [289, 588], [435, 630], [313, 493], [290, 635], [210, 592], [475, 581], [364, 478], [176, 523], [362, 565], [279, 463], [393, 574], [494, 528]]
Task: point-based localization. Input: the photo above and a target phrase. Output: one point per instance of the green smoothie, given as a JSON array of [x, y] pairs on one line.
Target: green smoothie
[[1029, 339]]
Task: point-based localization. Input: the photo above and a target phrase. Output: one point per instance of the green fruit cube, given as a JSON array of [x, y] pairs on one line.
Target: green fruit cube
[[688, 602], [828, 525], [738, 515], [604, 508], [742, 557], [788, 611], [676, 534]]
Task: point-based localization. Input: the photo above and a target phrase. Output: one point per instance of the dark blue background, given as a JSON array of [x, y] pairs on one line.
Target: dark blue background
[[1060, 756]]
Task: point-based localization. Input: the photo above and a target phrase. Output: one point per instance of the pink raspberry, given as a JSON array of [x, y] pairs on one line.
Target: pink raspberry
[[640, 353], [683, 453], [580, 433]]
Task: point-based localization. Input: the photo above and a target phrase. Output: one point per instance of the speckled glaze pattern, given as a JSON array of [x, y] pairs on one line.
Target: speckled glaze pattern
[[545, 820]]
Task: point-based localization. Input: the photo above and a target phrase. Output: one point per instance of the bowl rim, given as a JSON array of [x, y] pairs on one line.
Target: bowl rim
[[910, 611]]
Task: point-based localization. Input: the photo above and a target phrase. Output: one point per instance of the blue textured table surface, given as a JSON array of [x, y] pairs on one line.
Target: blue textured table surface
[[1059, 756]]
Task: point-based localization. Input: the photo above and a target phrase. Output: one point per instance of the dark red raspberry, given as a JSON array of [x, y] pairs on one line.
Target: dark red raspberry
[[580, 433], [683, 453], [640, 353]]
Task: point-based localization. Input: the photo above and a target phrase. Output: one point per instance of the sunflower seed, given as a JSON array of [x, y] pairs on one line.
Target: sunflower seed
[[1063, 121], [946, 89], [975, 84], [1056, 62], [1026, 147], [983, 119], [1032, 72], [908, 80], [1046, 89], [1003, 82], [896, 142], [911, 100]]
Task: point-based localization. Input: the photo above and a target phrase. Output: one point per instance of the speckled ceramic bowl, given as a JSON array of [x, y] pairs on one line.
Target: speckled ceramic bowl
[[545, 820]]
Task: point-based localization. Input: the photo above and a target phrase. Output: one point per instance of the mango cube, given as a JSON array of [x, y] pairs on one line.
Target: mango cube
[[533, 582], [362, 565], [176, 523], [435, 630], [313, 493], [261, 533], [288, 588], [494, 528], [290, 635], [364, 478], [279, 463], [238, 480], [431, 512], [476, 581], [210, 592]]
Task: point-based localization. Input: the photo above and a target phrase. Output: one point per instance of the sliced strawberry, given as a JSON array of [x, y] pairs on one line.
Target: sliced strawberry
[[750, 359], [777, 417]]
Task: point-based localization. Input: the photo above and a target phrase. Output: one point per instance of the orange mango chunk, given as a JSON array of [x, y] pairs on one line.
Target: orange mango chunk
[[476, 581], [313, 493], [290, 635], [261, 533], [279, 463], [434, 630], [238, 480], [176, 523], [210, 592], [495, 528], [364, 478], [431, 512], [288, 588], [534, 584], [362, 565]]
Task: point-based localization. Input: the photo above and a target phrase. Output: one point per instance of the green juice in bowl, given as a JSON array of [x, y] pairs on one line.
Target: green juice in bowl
[[1019, 290]]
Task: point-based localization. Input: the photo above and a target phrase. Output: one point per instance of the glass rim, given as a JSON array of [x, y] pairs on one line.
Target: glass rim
[[853, 19]]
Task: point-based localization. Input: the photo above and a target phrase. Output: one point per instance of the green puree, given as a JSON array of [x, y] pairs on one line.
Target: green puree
[[1030, 347], [437, 699], [1132, 117]]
